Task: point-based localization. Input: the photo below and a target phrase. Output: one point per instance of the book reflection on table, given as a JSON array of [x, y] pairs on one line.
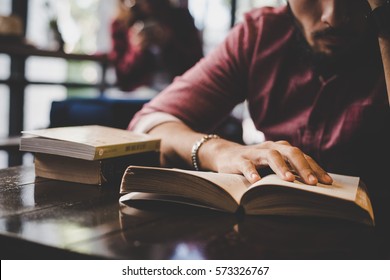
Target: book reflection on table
[[232, 236], [157, 221]]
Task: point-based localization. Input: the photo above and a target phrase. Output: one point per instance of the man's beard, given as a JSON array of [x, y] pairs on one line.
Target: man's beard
[[364, 50], [319, 59]]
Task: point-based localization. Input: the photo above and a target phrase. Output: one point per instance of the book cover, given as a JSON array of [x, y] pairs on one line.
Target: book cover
[[89, 142]]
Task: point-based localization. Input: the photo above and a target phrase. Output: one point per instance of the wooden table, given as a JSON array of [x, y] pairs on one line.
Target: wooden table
[[47, 219]]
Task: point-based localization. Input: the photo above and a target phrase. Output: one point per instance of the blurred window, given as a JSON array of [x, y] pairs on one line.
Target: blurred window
[[213, 17], [84, 26], [5, 7]]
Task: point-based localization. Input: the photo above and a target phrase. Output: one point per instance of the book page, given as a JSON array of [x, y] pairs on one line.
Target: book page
[[343, 187], [236, 185], [92, 135], [204, 187], [363, 200]]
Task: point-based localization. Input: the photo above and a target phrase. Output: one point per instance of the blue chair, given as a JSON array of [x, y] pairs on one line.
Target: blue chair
[[118, 113], [100, 111]]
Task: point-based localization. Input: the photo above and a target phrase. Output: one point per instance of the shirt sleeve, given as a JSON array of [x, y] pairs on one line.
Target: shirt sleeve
[[205, 95], [152, 120]]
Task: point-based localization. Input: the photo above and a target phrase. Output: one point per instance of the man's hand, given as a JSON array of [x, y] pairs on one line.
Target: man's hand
[[139, 39], [384, 45], [285, 160], [376, 3], [228, 157], [145, 34], [125, 13]]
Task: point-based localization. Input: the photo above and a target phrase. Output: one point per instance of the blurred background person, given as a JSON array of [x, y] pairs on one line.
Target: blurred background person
[[152, 42]]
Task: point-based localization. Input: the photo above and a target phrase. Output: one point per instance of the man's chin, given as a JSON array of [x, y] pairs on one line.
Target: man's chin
[[331, 52]]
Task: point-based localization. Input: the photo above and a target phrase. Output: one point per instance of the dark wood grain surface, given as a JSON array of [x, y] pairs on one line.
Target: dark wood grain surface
[[47, 219]]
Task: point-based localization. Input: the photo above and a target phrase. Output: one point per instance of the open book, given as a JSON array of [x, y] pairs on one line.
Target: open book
[[346, 198], [89, 142]]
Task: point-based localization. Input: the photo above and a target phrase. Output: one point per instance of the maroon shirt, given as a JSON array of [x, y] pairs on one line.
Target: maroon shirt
[[340, 116], [134, 68]]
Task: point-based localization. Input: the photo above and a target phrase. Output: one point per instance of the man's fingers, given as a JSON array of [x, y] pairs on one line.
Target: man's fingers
[[299, 163], [278, 165], [248, 169], [321, 174], [273, 159], [288, 162]]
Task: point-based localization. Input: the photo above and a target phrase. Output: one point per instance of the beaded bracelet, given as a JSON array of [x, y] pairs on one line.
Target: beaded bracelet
[[196, 147]]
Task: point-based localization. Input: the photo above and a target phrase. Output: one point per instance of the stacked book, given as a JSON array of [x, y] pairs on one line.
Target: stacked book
[[90, 154]]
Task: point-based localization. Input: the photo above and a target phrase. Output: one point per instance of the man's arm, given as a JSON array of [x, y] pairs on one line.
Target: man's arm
[[228, 157], [384, 44], [202, 97], [132, 64]]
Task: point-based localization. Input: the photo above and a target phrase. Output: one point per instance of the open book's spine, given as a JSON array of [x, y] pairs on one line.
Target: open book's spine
[[126, 149]]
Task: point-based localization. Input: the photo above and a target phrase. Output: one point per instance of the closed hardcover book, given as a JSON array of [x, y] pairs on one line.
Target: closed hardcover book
[[95, 172], [89, 142]]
